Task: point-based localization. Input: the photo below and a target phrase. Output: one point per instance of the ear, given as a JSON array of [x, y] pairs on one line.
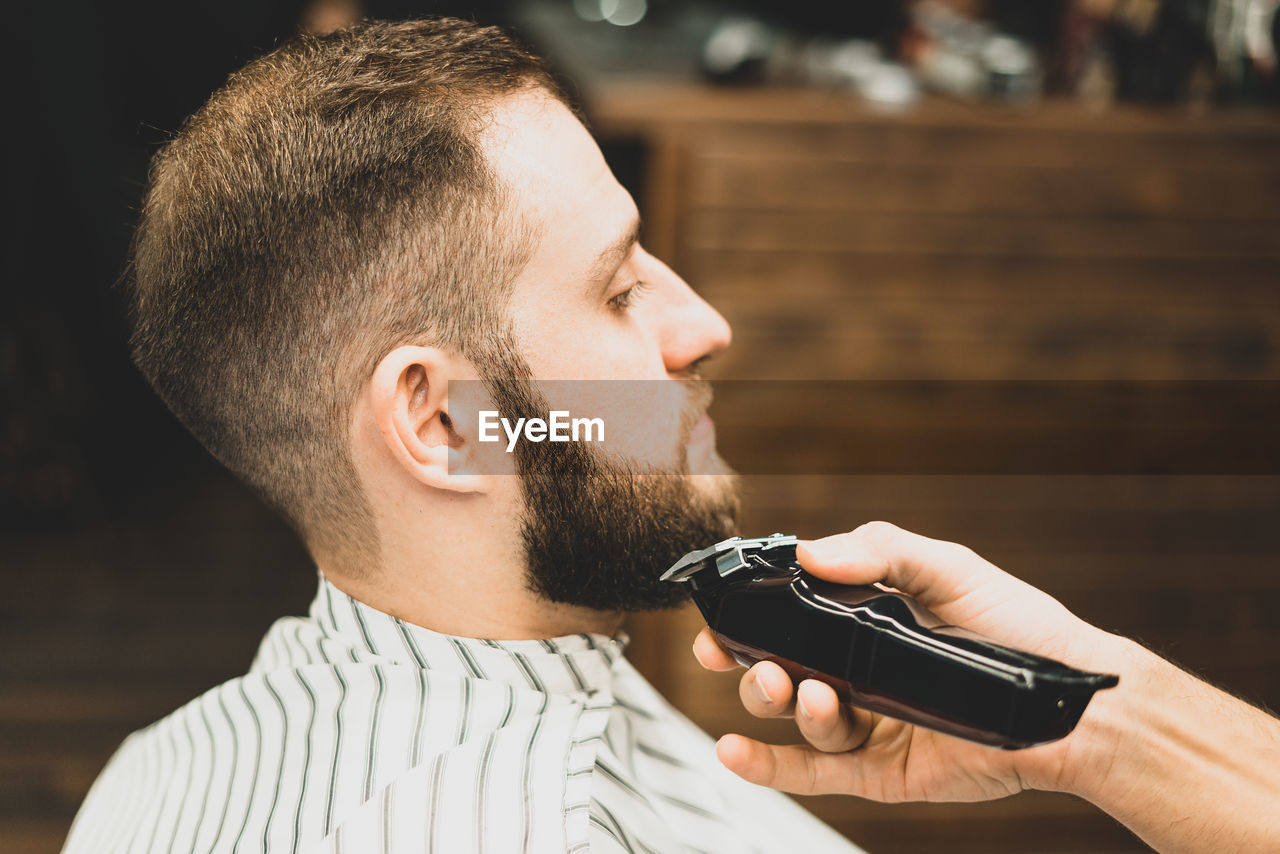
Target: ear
[[409, 397]]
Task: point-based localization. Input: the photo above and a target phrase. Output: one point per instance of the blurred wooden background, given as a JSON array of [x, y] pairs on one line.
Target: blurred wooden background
[[966, 243], [944, 243]]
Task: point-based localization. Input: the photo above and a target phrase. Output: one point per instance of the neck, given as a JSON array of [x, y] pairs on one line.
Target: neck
[[461, 571]]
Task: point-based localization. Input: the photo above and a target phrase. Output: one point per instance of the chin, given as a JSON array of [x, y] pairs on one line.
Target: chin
[[708, 464], [718, 484]]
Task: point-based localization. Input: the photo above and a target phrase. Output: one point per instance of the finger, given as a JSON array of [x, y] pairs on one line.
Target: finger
[[799, 769], [825, 722], [933, 571], [710, 654], [950, 580], [766, 691], [842, 558]]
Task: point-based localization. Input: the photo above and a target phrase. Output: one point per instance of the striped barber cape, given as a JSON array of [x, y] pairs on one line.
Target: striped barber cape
[[356, 732]]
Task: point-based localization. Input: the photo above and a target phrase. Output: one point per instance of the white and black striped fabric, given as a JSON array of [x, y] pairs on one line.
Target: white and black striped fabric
[[357, 733]]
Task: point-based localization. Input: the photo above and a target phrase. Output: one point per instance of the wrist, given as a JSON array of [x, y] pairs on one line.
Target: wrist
[[1088, 762], [1180, 763]]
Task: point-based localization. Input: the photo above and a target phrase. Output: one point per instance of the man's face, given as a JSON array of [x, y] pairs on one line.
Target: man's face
[[593, 307]]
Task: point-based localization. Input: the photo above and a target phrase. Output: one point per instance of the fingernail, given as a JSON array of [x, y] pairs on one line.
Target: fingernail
[[761, 692], [801, 709]]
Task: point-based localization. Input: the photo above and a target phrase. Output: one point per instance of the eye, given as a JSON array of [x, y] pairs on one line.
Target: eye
[[624, 300]]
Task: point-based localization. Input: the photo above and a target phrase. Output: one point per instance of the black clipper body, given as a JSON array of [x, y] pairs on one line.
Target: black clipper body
[[879, 650]]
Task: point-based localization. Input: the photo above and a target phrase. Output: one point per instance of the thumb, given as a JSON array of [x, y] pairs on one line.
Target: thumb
[[935, 572], [842, 558], [951, 581], [804, 770]]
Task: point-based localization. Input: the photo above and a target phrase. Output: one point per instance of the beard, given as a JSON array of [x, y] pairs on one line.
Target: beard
[[598, 531]]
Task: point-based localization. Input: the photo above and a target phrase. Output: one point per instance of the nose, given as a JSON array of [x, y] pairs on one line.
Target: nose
[[692, 330]]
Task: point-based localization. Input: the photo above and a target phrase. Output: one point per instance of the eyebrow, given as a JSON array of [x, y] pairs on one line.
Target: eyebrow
[[609, 260]]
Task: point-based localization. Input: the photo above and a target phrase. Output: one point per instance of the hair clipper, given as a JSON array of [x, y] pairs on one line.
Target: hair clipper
[[879, 650]]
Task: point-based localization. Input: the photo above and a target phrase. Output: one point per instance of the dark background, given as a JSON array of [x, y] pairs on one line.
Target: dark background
[[951, 242]]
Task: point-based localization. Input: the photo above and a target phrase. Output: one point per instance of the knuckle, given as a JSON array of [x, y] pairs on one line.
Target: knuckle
[[841, 740], [767, 768], [877, 531], [760, 766], [811, 771]]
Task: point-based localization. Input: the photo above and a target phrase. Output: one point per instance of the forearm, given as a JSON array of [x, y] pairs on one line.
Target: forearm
[[1185, 766]]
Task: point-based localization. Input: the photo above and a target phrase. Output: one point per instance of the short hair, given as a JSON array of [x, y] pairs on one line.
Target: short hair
[[329, 203]]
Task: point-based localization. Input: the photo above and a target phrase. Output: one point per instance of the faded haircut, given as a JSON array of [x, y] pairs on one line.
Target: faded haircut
[[329, 203]]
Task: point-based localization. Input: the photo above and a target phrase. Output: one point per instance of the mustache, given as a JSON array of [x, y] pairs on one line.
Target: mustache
[[699, 395]]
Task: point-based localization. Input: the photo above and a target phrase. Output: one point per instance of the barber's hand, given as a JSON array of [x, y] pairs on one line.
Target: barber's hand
[[861, 753]]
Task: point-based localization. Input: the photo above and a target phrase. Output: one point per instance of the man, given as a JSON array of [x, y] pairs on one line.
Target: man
[[351, 224]]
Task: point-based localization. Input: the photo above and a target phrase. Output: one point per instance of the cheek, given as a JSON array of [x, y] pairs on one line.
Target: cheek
[[583, 345], [642, 416]]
